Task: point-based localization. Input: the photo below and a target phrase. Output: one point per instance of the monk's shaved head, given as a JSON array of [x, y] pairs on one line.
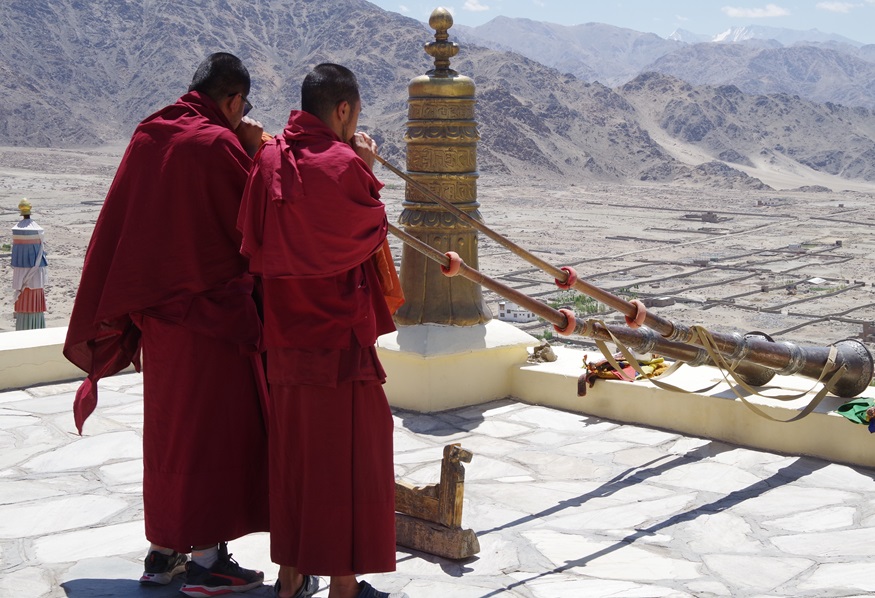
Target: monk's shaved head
[[220, 75], [326, 86]]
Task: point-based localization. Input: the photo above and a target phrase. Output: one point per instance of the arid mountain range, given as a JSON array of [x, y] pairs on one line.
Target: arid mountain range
[[823, 68], [76, 73], [773, 35]]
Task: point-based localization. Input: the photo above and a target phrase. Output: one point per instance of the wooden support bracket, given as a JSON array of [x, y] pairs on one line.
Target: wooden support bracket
[[429, 518]]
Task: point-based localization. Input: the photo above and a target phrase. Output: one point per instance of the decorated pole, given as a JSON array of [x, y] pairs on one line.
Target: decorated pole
[[441, 158], [28, 271]]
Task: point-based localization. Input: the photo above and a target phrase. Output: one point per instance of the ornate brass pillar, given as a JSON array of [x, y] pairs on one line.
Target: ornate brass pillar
[[441, 155]]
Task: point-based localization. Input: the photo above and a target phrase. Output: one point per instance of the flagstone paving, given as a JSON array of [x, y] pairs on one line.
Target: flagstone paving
[[564, 505]]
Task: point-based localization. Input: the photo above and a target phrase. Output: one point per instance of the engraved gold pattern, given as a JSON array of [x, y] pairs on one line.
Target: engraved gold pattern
[[441, 140]]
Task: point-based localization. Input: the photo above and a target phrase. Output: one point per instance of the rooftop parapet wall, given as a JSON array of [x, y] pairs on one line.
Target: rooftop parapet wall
[[33, 357], [717, 414]]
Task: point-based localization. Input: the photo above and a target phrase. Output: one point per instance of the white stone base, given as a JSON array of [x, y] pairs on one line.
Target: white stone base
[[431, 367], [32, 357]]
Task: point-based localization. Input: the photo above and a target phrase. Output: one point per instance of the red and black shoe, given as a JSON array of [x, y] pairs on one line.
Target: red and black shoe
[[224, 577]]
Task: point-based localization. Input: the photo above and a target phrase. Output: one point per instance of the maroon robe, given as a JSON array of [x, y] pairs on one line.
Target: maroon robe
[[312, 221], [163, 271]]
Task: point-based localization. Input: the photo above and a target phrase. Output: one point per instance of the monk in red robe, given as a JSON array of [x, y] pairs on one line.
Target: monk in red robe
[[314, 230], [163, 275]]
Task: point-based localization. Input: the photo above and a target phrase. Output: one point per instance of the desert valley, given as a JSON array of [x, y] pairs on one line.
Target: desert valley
[[794, 264]]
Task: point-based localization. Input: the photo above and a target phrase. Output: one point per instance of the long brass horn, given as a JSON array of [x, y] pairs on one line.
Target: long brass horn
[[784, 358], [755, 365]]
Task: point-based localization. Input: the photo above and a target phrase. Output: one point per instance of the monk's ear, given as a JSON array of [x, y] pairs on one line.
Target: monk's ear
[[343, 110], [234, 102], [229, 105]]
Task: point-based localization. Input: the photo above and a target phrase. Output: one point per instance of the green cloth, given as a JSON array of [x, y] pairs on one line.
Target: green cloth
[[856, 411]]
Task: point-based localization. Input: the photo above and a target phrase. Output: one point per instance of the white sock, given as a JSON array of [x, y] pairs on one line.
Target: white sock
[[205, 558], [161, 549]]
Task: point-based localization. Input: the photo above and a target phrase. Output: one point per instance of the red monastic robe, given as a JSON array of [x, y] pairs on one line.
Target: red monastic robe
[[312, 223], [163, 271]]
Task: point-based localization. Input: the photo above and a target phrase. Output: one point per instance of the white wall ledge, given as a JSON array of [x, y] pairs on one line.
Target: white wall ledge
[[434, 368], [34, 357]]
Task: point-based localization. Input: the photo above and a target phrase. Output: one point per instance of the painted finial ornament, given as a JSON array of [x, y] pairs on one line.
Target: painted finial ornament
[[28, 271]]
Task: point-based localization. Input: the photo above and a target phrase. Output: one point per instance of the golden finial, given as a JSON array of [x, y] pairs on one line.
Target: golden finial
[[24, 207], [441, 49], [441, 143]]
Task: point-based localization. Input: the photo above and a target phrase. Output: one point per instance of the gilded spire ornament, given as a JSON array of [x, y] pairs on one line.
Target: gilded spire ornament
[[441, 49], [441, 142]]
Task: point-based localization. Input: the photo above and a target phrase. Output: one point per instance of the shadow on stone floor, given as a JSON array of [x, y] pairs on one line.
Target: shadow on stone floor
[[115, 588], [788, 474]]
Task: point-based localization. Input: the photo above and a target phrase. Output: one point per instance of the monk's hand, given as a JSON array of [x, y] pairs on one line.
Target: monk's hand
[[249, 133], [365, 147]]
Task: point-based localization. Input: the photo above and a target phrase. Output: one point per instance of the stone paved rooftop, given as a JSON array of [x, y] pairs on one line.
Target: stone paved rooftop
[[563, 504]]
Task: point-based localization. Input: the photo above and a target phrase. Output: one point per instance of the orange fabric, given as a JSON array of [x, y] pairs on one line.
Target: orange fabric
[[388, 276], [31, 301]]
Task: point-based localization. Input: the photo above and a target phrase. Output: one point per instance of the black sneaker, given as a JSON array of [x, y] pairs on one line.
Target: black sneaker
[[309, 586], [366, 590], [161, 569], [224, 577]]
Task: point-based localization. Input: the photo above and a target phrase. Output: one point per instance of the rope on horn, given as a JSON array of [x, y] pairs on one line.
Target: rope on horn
[[724, 366]]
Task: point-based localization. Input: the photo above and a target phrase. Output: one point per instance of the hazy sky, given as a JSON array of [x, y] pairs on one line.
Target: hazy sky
[[855, 20]]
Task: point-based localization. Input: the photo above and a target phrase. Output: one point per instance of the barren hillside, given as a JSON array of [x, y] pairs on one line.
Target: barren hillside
[[82, 74]]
